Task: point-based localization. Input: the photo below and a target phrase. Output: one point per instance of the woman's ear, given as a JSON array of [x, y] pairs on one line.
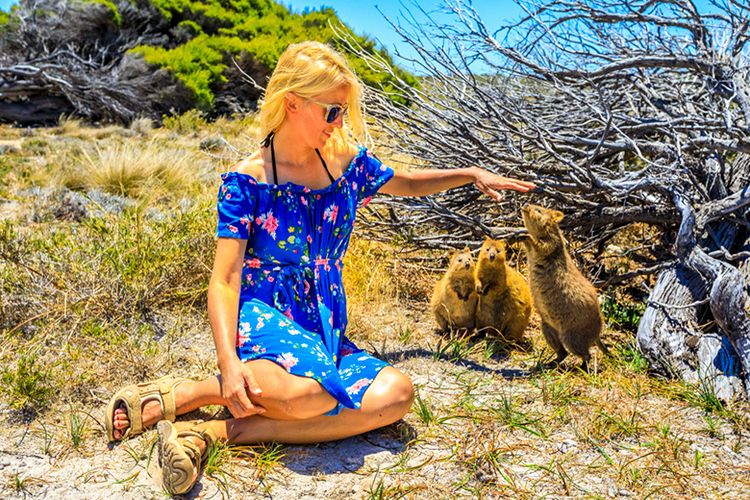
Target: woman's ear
[[291, 103]]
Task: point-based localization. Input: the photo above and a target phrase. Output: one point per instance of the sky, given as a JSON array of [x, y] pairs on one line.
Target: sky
[[365, 19]]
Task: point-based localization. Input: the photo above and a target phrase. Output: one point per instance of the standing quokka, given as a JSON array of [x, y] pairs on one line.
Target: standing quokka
[[454, 299], [566, 300], [504, 302]]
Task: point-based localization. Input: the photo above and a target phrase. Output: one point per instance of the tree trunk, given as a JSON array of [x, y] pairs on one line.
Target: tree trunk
[[671, 338], [696, 324]]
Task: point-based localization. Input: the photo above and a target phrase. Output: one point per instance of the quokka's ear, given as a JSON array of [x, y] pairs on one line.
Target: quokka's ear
[[466, 249], [557, 216]]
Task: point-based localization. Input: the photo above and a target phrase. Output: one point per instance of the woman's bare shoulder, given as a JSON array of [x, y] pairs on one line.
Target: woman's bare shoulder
[[252, 165], [345, 156]]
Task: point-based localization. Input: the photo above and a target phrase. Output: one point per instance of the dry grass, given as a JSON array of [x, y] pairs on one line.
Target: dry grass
[[133, 169], [120, 296]]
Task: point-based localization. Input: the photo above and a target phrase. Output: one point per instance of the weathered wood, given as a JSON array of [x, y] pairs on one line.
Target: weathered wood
[[727, 292], [671, 337]]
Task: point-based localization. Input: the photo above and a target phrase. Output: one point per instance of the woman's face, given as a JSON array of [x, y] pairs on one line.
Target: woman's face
[[311, 116]]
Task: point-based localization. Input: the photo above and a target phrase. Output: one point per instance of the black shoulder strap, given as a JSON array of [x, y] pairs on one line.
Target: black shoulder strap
[[325, 166], [273, 162]]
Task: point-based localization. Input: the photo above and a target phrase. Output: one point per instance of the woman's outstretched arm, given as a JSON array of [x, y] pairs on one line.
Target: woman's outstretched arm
[[430, 181]]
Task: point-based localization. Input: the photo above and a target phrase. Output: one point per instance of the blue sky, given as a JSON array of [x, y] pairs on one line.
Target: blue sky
[[364, 18]]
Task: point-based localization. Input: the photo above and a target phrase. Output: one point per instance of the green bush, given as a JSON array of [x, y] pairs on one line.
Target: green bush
[[262, 29], [189, 121], [28, 384], [622, 314]]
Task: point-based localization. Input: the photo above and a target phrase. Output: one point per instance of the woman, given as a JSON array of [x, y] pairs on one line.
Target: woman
[[275, 300]]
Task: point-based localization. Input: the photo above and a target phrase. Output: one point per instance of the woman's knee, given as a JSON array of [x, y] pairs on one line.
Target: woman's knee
[[392, 391], [308, 399]]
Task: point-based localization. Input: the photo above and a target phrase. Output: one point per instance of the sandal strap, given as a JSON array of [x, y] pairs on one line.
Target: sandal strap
[[131, 396], [193, 450], [135, 395], [206, 435], [166, 390]]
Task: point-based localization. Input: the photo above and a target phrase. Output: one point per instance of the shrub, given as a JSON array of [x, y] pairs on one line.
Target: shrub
[[216, 32], [189, 121], [132, 169], [28, 384]]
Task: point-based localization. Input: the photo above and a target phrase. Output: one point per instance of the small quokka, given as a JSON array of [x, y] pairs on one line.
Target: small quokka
[[565, 299], [504, 299], [454, 299]]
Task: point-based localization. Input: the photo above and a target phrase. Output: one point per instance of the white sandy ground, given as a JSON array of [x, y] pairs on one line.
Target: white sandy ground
[[412, 458]]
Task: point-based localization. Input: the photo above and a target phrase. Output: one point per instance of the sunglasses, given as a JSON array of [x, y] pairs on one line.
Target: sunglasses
[[333, 111]]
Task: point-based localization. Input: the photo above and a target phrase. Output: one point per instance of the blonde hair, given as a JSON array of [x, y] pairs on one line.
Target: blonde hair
[[309, 69]]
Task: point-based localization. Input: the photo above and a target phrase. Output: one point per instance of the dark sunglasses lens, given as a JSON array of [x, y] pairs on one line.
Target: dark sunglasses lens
[[333, 113]]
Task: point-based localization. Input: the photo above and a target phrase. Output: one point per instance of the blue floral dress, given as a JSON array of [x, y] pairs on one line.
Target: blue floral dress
[[292, 306]]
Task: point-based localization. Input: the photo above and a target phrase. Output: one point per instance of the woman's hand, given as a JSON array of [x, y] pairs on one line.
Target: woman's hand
[[490, 183], [237, 385]]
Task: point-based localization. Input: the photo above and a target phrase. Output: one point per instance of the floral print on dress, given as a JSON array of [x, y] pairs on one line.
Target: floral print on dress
[[287, 360], [268, 222], [292, 306]]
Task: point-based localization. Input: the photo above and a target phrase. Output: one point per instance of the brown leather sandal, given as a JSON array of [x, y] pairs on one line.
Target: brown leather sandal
[[181, 459], [132, 397]]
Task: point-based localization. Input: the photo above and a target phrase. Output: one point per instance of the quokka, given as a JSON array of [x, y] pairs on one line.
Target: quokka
[[454, 300], [566, 301], [504, 299]]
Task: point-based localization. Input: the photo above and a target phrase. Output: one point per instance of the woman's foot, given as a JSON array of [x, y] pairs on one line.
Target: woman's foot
[[183, 448], [137, 407], [150, 411]]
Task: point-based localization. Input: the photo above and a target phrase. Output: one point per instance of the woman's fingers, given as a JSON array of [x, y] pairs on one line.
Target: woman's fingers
[[491, 193], [250, 382], [523, 185], [243, 401], [489, 183], [240, 405], [515, 184]]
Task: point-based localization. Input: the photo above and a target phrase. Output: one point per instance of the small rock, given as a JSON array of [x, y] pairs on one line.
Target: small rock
[[155, 214], [566, 445], [624, 493]]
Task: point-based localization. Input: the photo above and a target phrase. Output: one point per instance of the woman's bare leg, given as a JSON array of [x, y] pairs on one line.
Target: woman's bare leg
[[285, 396], [386, 401]]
